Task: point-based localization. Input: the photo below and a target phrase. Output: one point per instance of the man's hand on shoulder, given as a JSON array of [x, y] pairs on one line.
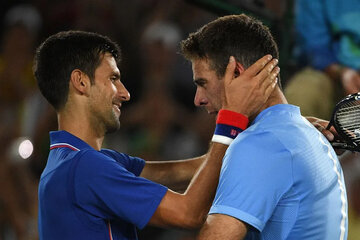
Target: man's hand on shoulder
[[321, 125]]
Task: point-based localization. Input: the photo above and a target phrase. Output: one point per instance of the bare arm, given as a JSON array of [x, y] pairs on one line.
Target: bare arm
[[219, 226], [189, 210], [175, 174]]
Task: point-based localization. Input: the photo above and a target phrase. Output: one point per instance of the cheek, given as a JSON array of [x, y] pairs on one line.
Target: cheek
[[217, 94], [108, 91], [113, 88]]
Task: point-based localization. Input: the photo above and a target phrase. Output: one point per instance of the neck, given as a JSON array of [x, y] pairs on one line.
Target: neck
[[277, 97], [79, 125]]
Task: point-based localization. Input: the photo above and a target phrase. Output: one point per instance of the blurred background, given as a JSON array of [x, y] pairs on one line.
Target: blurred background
[[160, 122]]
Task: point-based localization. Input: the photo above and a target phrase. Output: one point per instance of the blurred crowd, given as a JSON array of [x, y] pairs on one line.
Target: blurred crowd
[[160, 122]]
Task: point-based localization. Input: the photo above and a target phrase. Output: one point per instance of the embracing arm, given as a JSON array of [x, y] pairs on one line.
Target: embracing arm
[[175, 174], [219, 226], [189, 210]]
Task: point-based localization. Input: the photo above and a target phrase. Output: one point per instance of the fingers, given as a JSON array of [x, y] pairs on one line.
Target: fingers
[[270, 81], [271, 78], [329, 134], [268, 71], [339, 151], [258, 65], [264, 65], [270, 88], [230, 69]]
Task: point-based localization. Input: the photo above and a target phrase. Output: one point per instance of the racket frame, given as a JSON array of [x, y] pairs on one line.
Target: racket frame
[[348, 143]]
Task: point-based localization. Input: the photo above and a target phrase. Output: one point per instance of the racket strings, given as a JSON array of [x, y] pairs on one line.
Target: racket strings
[[348, 119]]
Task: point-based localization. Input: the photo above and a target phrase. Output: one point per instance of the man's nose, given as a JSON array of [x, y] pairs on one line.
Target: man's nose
[[199, 99], [123, 92]]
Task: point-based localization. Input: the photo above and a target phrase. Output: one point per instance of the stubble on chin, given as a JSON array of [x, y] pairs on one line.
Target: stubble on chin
[[114, 124]]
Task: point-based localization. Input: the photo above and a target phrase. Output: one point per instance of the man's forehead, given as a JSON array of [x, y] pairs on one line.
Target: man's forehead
[[201, 68], [108, 60]]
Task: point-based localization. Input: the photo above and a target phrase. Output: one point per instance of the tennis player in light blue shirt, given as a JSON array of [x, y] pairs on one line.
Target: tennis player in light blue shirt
[[282, 178]]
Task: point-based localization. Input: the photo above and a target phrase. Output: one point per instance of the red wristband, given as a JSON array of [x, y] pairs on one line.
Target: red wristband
[[232, 118]]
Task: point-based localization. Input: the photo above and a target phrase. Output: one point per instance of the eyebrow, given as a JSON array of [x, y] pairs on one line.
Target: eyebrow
[[199, 81], [116, 74]]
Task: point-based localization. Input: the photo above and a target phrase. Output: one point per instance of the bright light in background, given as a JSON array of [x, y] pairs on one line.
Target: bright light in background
[[21, 150], [26, 148]]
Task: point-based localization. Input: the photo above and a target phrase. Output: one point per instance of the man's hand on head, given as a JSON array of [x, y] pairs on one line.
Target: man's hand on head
[[248, 92]]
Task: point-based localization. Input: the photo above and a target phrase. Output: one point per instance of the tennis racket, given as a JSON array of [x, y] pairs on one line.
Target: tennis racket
[[346, 121]]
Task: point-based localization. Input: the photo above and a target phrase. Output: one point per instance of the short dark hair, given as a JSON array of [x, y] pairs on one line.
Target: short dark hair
[[63, 52], [241, 36]]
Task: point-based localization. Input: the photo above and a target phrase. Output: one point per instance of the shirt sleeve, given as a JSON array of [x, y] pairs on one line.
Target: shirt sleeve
[[132, 164], [315, 36], [256, 172], [104, 188]]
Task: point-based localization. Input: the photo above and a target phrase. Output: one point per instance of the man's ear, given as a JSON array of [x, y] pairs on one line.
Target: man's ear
[[80, 81], [239, 69]]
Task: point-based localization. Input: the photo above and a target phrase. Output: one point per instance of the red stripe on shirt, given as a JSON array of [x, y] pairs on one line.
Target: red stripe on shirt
[[110, 234], [60, 146]]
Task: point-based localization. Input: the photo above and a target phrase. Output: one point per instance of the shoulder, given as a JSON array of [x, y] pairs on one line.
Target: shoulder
[[92, 162], [118, 156], [95, 157], [257, 142], [278, 131], [262, 152], [132, 164]]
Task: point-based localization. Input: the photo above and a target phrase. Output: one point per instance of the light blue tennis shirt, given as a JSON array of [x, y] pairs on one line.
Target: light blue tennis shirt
[[282, 177]]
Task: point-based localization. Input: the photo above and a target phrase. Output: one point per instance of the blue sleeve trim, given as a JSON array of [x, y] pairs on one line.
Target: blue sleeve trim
[[236, 213]]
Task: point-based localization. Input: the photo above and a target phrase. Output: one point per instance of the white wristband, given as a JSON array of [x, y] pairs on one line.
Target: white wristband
[[222, 139]]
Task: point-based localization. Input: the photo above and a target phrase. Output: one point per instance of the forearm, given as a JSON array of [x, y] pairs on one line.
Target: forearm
[[201, 191], [189, 210], [175, 174]]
